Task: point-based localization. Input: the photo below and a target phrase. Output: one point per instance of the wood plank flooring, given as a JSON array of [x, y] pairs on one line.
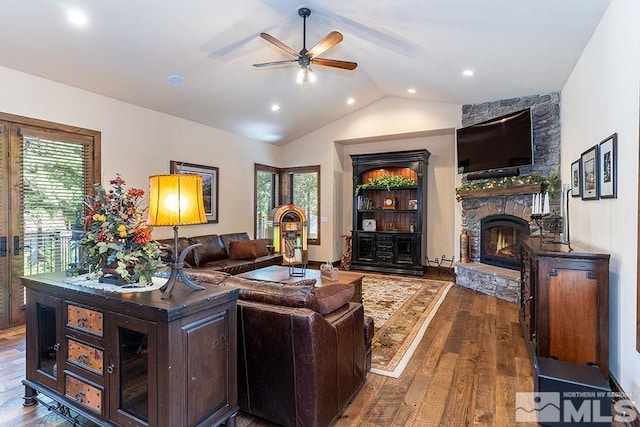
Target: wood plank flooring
[[466, 370]]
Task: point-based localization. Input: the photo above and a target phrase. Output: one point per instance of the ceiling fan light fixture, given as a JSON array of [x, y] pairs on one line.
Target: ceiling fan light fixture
[[305, 75]]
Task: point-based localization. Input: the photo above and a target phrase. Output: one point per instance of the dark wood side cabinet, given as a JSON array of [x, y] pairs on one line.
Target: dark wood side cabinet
[[564, 303], [389, 230], [132, 359]]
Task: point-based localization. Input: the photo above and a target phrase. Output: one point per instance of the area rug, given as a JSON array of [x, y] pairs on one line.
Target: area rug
[[402, 309]]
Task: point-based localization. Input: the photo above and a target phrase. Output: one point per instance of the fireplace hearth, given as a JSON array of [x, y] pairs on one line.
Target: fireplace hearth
[[500, 237]]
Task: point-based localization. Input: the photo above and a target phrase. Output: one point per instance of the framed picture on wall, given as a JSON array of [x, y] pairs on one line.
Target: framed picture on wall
[[589, 173], [575, 179], [209, 185], [608, 162]]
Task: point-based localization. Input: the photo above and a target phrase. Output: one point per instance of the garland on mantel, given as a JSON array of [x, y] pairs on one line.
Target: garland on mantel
[[550, 183]]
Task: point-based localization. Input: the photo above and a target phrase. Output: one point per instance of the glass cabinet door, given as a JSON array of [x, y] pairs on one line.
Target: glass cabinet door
[[133, 371], [48, 348], [365, 246], [405, 249]]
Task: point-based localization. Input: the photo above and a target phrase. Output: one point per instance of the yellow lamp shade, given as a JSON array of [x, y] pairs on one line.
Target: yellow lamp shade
[[176, 200]]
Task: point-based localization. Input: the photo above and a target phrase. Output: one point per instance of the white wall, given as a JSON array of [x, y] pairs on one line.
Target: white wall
[[388, 116], [138, 142], [600, 98]]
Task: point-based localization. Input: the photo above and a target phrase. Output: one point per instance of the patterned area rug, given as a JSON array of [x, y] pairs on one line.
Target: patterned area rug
[[402, 309]]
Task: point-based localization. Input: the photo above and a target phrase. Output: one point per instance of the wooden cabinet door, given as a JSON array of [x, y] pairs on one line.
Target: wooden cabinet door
[[573, 321], [46, 351], [132, 371]]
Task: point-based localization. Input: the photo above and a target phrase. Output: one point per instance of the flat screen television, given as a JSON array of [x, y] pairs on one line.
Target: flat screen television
[[503, 142]]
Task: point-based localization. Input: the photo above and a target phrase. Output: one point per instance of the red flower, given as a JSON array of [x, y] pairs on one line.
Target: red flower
[[117, 181], [135, 192], [142, 236]]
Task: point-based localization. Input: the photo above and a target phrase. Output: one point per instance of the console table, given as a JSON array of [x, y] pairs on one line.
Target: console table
[[132, 359], [564, 303]]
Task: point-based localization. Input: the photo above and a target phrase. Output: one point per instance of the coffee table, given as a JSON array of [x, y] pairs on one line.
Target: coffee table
[[280, 274]]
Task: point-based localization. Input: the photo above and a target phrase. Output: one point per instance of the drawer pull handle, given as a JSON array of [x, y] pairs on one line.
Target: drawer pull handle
[[81, 321], [56, 347], [110, 369], [82, 359], [80, 396]]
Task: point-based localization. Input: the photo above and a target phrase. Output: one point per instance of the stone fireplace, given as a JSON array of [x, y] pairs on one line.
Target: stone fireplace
[[496, 220]]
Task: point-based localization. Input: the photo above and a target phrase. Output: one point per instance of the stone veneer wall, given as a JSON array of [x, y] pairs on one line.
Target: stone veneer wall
[[545, 116]]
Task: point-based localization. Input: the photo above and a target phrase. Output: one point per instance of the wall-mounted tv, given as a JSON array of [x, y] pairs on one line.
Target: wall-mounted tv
[[503, 142]]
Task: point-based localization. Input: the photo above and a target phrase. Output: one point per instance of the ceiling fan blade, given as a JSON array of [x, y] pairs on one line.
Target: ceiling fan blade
[[345, 65], [268, 64], [330, 40], [274, 41]]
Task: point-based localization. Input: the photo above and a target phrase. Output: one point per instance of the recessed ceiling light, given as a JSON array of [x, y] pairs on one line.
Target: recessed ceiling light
[[275, 107], [411, 90], [468, 73], [351, 101], [77, 17], [175, 80]]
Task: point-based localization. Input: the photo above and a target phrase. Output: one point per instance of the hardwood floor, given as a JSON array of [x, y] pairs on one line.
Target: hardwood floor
[[466, 371]]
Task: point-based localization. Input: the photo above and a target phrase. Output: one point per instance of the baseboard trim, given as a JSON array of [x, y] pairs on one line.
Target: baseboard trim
[[621, 394]]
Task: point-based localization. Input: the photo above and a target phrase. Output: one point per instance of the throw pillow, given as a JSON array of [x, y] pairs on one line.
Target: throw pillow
[[242, 249], [332, 297], [261, 247]]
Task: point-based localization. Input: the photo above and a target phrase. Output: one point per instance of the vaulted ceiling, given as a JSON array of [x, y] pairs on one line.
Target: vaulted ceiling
[[128, 49]]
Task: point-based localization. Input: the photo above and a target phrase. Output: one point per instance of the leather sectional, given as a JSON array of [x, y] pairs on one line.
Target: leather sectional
[[303, 351]]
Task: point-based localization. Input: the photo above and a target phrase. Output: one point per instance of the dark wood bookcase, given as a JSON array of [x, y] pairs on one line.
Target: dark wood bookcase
[[389, 229]]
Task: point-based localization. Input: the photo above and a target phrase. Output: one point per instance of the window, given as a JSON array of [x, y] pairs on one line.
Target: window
[[299, 186], [267, 194]]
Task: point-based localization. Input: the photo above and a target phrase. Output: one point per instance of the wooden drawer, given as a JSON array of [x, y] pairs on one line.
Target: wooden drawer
[[384, 258], [384, 238], [83, 393], [85, 356], [85, 319]]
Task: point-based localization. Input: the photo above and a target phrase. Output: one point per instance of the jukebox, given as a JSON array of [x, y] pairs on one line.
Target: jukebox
[[288, 227]]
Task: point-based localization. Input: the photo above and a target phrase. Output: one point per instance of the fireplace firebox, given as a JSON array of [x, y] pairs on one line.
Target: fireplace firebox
[[500, 237]]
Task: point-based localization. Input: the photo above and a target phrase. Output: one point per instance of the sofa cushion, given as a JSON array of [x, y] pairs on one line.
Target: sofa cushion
[[211, 249], [242, 249], [331, 297]]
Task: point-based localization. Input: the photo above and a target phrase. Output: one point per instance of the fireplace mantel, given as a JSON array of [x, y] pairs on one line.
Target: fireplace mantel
[[514, 190]]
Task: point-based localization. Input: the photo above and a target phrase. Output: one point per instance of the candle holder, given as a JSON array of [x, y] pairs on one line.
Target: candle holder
[[538, 220]]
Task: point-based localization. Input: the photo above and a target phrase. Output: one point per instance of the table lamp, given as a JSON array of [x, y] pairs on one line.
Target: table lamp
[[176, 200]]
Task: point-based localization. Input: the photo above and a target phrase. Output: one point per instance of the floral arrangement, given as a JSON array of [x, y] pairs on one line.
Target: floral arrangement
[[551, 183], [386, 181], [117, 236]]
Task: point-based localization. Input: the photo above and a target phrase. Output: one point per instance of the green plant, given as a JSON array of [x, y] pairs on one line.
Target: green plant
[[386, 181], [116, 234], [551, 183]]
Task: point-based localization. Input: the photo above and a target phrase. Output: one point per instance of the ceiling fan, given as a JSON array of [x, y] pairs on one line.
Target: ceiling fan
[[306, 57]]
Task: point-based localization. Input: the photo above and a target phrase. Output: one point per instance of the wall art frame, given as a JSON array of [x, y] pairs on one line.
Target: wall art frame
[[576, 188], [210, 178], [608, 165], [589, 178]]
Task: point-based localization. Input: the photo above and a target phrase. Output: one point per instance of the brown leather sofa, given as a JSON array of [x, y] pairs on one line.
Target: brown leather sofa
[[302, 350], [232, 253]]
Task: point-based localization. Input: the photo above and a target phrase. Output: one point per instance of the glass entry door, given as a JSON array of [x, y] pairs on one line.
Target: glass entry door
[[46, 171]]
